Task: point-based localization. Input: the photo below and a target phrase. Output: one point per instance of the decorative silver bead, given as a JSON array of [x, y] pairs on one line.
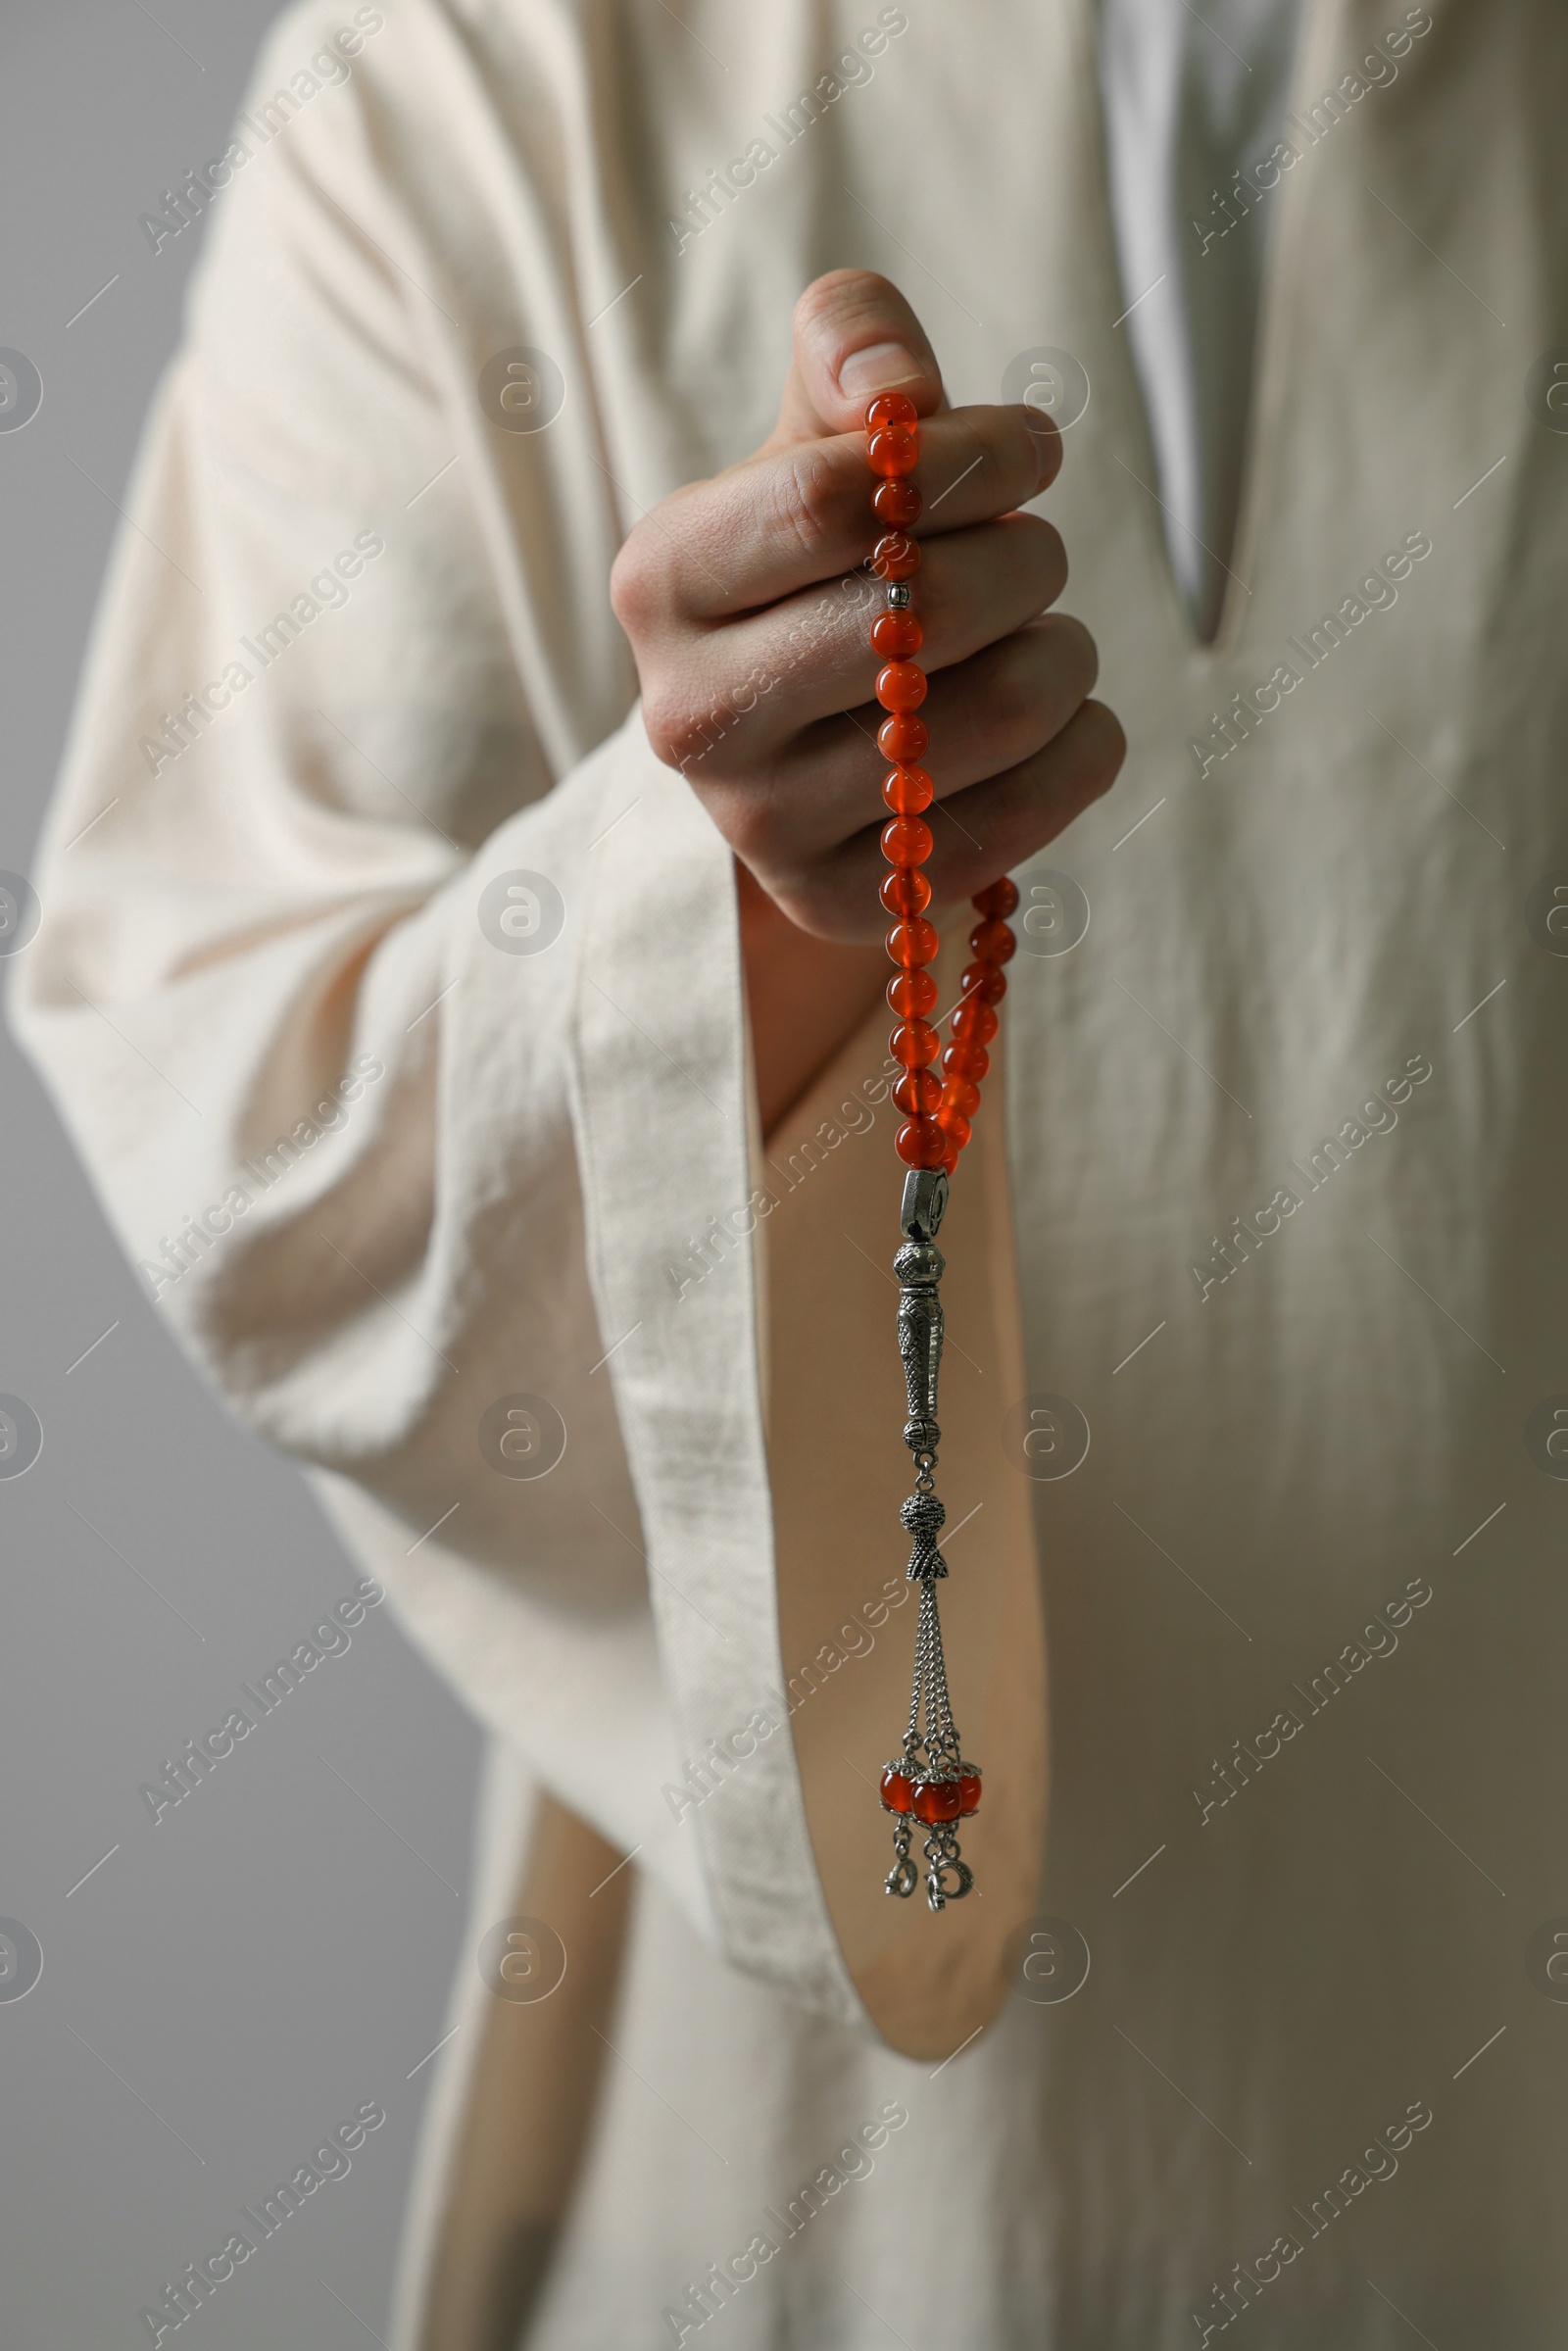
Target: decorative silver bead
[[925, 1203], [900, 596]]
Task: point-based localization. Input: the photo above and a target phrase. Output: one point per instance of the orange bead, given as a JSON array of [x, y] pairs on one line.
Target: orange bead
[[961, 1093], [969, 1790], [893, 450], [953, 1124], [916, 1043], [898, 1791], [967, 1060], [904, 891], [901, 686], [950, 1158], [936, 1800], [907, 841], [985, 981], [903, 737], [908, 790], [911, 993], [918, 1094], [897, 502], [991, 941], [1000, 899], [890, 407], [896, 556], [974, 1019], [896, 633], [921, 1144], [912, 942]]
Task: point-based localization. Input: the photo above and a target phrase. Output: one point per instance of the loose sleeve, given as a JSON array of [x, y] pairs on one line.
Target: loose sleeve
[[391, 988]]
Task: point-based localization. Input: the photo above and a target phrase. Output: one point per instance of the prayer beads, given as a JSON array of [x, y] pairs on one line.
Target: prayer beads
[[936, 1131]]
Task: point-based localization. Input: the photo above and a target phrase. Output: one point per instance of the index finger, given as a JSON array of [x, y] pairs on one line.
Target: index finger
[[779, 522]]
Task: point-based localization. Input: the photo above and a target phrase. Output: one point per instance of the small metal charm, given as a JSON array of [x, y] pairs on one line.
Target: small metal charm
[[900, 596], [904, 1876]]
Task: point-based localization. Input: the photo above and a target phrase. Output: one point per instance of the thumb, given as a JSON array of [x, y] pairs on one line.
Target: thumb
[[855, 337]]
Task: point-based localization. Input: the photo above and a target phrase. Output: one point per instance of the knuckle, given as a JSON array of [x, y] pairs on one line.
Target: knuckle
[[1105, 743], [1005, 704], [636, 583], [747, 825], [683, 728], [1053, 558], [808, 498], [1076, 656], [845, 297], [664, 723]]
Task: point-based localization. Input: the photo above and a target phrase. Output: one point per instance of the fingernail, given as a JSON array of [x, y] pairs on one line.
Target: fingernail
[[879, 368]]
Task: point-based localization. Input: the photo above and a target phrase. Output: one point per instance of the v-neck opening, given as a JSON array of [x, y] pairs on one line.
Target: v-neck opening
[[1261, 430]]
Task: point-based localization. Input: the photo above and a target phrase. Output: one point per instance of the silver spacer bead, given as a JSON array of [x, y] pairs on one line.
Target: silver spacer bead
[[900, 596]]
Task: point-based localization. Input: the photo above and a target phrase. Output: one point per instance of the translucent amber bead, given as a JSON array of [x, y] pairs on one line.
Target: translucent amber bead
[[912, 942], [911, 994], [918, 1094], [894, 634], [921, 1144], [890, 407], [898, 1791], [904, 891], [953, 1125], [936, 1800], [1000, 899], [969, 1790], [967, 1060], [893, 450], [896, 556], [991, 941], [908, 790], [974, 1019], [916, 1043], [903, 737], [985, 981], [961, 1093], [907, 841], [901, 686], [897, 502]]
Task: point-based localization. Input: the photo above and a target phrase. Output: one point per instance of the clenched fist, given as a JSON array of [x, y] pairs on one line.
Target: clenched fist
[[748, 605]]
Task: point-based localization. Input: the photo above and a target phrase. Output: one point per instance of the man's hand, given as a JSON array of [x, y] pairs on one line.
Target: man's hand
[[751, 646]]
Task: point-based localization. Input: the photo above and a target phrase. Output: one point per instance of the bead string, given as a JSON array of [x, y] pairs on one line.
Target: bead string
[[930, 1781], [938, 1111]]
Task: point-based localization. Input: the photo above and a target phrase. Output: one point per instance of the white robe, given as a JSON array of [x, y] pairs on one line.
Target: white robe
[[1338, 896]]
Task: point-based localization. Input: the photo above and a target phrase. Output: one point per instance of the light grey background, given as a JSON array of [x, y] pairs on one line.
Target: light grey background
[[232, 1983]]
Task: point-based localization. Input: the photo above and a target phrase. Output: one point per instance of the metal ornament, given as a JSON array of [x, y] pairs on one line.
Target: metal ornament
[[929, 1783]]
